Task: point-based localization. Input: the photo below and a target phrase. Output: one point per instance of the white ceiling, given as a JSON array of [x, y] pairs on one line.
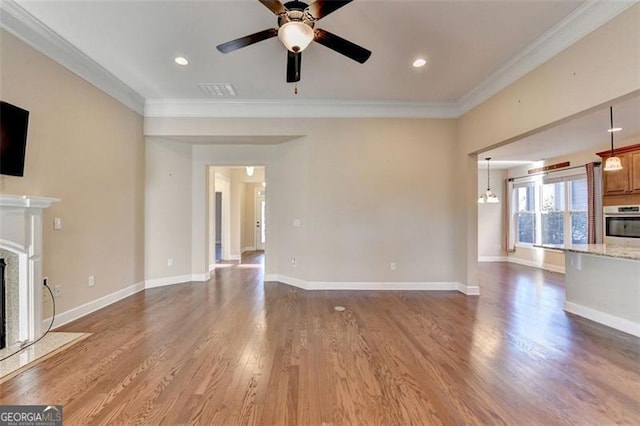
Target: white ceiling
[[473, 47], [464, 42]]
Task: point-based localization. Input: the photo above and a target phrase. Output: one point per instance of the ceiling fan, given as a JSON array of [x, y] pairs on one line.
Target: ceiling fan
[[296, 29]]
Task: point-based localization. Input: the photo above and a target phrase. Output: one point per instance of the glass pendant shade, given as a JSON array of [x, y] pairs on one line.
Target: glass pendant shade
[[488, 196], [249, 170], [612, 164], [295, 36]]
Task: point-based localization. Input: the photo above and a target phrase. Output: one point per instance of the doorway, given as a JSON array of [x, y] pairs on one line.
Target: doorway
[[237, 215]]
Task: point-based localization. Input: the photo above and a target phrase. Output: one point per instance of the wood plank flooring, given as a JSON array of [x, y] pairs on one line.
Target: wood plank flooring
[[237, 351]]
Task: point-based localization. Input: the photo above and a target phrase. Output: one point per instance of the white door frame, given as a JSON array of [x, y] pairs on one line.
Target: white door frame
[[258, 220], [223, 185]]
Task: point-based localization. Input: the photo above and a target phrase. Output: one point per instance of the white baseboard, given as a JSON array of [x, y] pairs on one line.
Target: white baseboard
[[177, 279], [89, 307], [609, 320], [244, 249], [161, 282], [353, 285], [199, 278], [212, 267], [545, 266], [493, 259], [469, 290]]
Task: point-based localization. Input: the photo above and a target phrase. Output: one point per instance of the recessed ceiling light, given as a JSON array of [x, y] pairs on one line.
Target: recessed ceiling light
[[420, 62], [181, 61], [614, 129]]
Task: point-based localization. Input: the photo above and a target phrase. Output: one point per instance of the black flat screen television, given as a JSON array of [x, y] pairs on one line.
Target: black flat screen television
[[13, 139]]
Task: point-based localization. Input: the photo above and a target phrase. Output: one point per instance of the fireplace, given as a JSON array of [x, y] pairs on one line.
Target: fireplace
[[21, 249], [3, 317]]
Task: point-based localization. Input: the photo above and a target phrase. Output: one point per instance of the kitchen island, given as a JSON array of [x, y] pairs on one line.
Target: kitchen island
[[603, 284]]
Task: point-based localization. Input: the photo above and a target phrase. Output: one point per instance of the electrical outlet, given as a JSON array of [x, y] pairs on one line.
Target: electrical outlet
[[92, 281], [57, 291], [45, 281], [294, 261], [393, 266], [170, 261]]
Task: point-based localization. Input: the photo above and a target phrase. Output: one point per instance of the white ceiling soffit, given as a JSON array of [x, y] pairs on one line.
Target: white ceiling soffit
[[583, 133], [583, 20]]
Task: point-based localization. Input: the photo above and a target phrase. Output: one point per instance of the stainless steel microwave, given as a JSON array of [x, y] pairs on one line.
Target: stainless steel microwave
[[622, 225]]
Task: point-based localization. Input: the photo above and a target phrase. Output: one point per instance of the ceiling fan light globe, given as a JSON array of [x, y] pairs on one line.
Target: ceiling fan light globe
[[295, 36]]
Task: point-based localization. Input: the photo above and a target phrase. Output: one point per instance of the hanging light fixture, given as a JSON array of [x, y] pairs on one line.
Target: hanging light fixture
[[249, 170], [488, 196], [613, 163]]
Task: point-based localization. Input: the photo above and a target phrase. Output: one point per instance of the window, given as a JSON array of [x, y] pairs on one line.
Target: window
[[526, 214], [578, 211], [552, 212]]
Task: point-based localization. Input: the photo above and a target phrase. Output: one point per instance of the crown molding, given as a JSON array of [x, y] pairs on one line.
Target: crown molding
[[586, 18], [255, 108], [20, 23]]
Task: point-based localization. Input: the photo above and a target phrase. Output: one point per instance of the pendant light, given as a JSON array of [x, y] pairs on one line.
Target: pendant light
[[249, 170], [488, 196], [613, 163]]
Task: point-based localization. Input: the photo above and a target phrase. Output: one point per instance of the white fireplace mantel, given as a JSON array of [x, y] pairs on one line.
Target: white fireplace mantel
[[21, 233], [26, 201]]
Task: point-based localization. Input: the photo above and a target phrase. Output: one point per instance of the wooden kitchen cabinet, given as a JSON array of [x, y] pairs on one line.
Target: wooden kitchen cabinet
[[627, 180], [635, 172], [617, 182]]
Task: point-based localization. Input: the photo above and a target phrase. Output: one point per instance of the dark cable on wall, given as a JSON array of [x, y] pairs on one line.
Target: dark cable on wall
[[53, 318]]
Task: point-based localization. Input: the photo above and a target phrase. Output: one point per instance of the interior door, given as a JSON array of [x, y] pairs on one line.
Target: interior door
[[260, 220]]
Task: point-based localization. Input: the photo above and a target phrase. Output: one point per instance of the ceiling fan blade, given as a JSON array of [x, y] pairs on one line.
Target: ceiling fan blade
[[294, 65], [275, 6], [321, 8], [245, 41], [342, 46]]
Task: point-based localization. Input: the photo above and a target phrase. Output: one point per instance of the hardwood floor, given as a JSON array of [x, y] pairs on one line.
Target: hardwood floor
[[237, 351]]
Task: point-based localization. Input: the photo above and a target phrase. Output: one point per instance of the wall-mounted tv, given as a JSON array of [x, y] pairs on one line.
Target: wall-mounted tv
[[13, 139]]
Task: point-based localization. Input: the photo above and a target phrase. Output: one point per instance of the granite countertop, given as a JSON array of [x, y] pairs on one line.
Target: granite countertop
[[608, 250]]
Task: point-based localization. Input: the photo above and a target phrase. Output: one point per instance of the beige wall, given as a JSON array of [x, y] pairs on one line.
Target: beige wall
[[168, 211], [87, 149], [490, 217], [367, 193], [235, 219], [600, 67]]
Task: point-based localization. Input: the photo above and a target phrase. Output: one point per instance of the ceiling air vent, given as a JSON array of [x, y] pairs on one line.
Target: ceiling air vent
[[217, 90]]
